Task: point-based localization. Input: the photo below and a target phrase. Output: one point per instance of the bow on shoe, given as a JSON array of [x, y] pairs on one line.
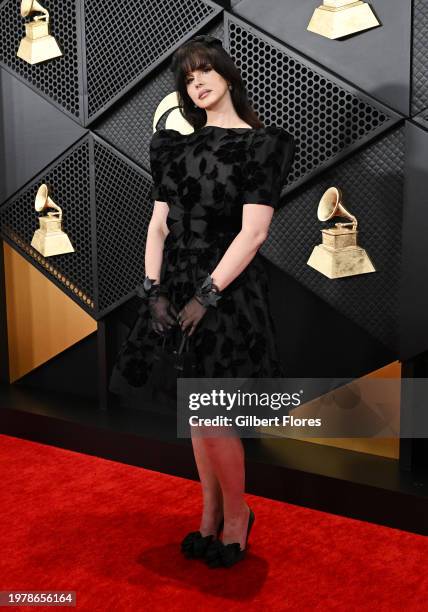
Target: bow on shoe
[[223, 555], [195, 544]]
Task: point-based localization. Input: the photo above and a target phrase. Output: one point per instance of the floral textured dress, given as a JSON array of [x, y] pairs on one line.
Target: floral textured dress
[[205, 178]]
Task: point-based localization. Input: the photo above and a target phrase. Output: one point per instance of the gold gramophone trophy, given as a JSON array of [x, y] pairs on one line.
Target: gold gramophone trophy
[[338, 18], [338, 255], [49, 239], [38, 44]]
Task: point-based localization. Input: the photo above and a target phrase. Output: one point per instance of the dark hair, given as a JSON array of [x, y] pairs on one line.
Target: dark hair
[[200, 52]]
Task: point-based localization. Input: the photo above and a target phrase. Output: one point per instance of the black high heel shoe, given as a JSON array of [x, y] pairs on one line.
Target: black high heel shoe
[[194, 544], [226, 555]]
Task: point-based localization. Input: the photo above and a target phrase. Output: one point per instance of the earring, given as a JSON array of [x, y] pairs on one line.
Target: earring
[[195, 105], [230, 86]]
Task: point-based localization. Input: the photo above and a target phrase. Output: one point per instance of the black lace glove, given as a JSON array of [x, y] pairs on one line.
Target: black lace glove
[[207, 294], [162, 311]]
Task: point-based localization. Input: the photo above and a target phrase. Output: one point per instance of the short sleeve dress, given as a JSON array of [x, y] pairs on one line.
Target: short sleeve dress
[[205, 178]]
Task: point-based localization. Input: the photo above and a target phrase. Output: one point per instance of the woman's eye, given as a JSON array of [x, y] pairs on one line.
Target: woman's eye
[[189, 80]]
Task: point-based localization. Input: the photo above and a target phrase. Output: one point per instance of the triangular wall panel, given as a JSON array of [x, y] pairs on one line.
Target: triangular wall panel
[[106, 49], [372, 185]]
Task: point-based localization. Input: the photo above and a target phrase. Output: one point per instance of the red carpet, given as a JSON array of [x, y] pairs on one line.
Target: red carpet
[[111, 533]]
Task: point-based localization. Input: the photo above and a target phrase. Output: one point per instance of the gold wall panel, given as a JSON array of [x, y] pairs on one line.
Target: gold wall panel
[[42, 320], [384, 447]]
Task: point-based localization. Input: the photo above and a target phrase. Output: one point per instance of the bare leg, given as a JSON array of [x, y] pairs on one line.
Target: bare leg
[[226, 455], [211, 490]]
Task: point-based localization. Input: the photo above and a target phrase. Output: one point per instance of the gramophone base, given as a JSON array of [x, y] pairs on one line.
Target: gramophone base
[[53, 243], [38, 50], [339, 263], [338, 22]]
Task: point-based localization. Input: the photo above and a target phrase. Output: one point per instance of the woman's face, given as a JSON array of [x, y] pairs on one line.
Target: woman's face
[[206, 80]]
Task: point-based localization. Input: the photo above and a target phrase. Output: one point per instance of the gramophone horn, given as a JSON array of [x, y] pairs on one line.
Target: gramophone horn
[[31, 6], [43, 201], [41, 197], [331, 206]]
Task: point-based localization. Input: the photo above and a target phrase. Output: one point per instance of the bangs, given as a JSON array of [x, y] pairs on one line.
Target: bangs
[[195, 58]]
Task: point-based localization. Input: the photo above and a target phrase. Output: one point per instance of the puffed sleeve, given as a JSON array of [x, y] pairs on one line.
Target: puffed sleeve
[[269, 159], [159, 191]]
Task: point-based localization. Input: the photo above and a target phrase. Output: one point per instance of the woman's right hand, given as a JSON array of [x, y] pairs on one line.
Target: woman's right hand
[[161, 310]]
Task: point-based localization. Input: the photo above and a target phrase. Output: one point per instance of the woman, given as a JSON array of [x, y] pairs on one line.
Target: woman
[[215, 192]]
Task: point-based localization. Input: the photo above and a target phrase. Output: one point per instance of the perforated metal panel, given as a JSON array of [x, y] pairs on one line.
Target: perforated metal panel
[[105, 214], [122, 43], [57, 79], [372, 185], [420, 56], [69, 183], [129, 126], [123, 210], [327, 116]]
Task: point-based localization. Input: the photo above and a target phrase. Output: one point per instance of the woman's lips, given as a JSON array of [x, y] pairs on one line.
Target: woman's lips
[[204, 95]]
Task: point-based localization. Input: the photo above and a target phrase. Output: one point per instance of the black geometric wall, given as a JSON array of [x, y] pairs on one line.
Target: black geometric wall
[[377, 61], [420, 57], [130, 39], [33, 133], [101, 195], [59, 80], [69, 182], [345, 136], [128, 126], [106, 49], [328, 117], [372, 187], [414, 270]]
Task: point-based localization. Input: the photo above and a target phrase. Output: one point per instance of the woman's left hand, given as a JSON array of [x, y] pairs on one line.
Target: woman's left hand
[[190, 315]]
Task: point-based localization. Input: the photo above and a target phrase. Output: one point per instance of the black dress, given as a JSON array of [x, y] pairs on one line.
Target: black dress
[[205, 178]]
